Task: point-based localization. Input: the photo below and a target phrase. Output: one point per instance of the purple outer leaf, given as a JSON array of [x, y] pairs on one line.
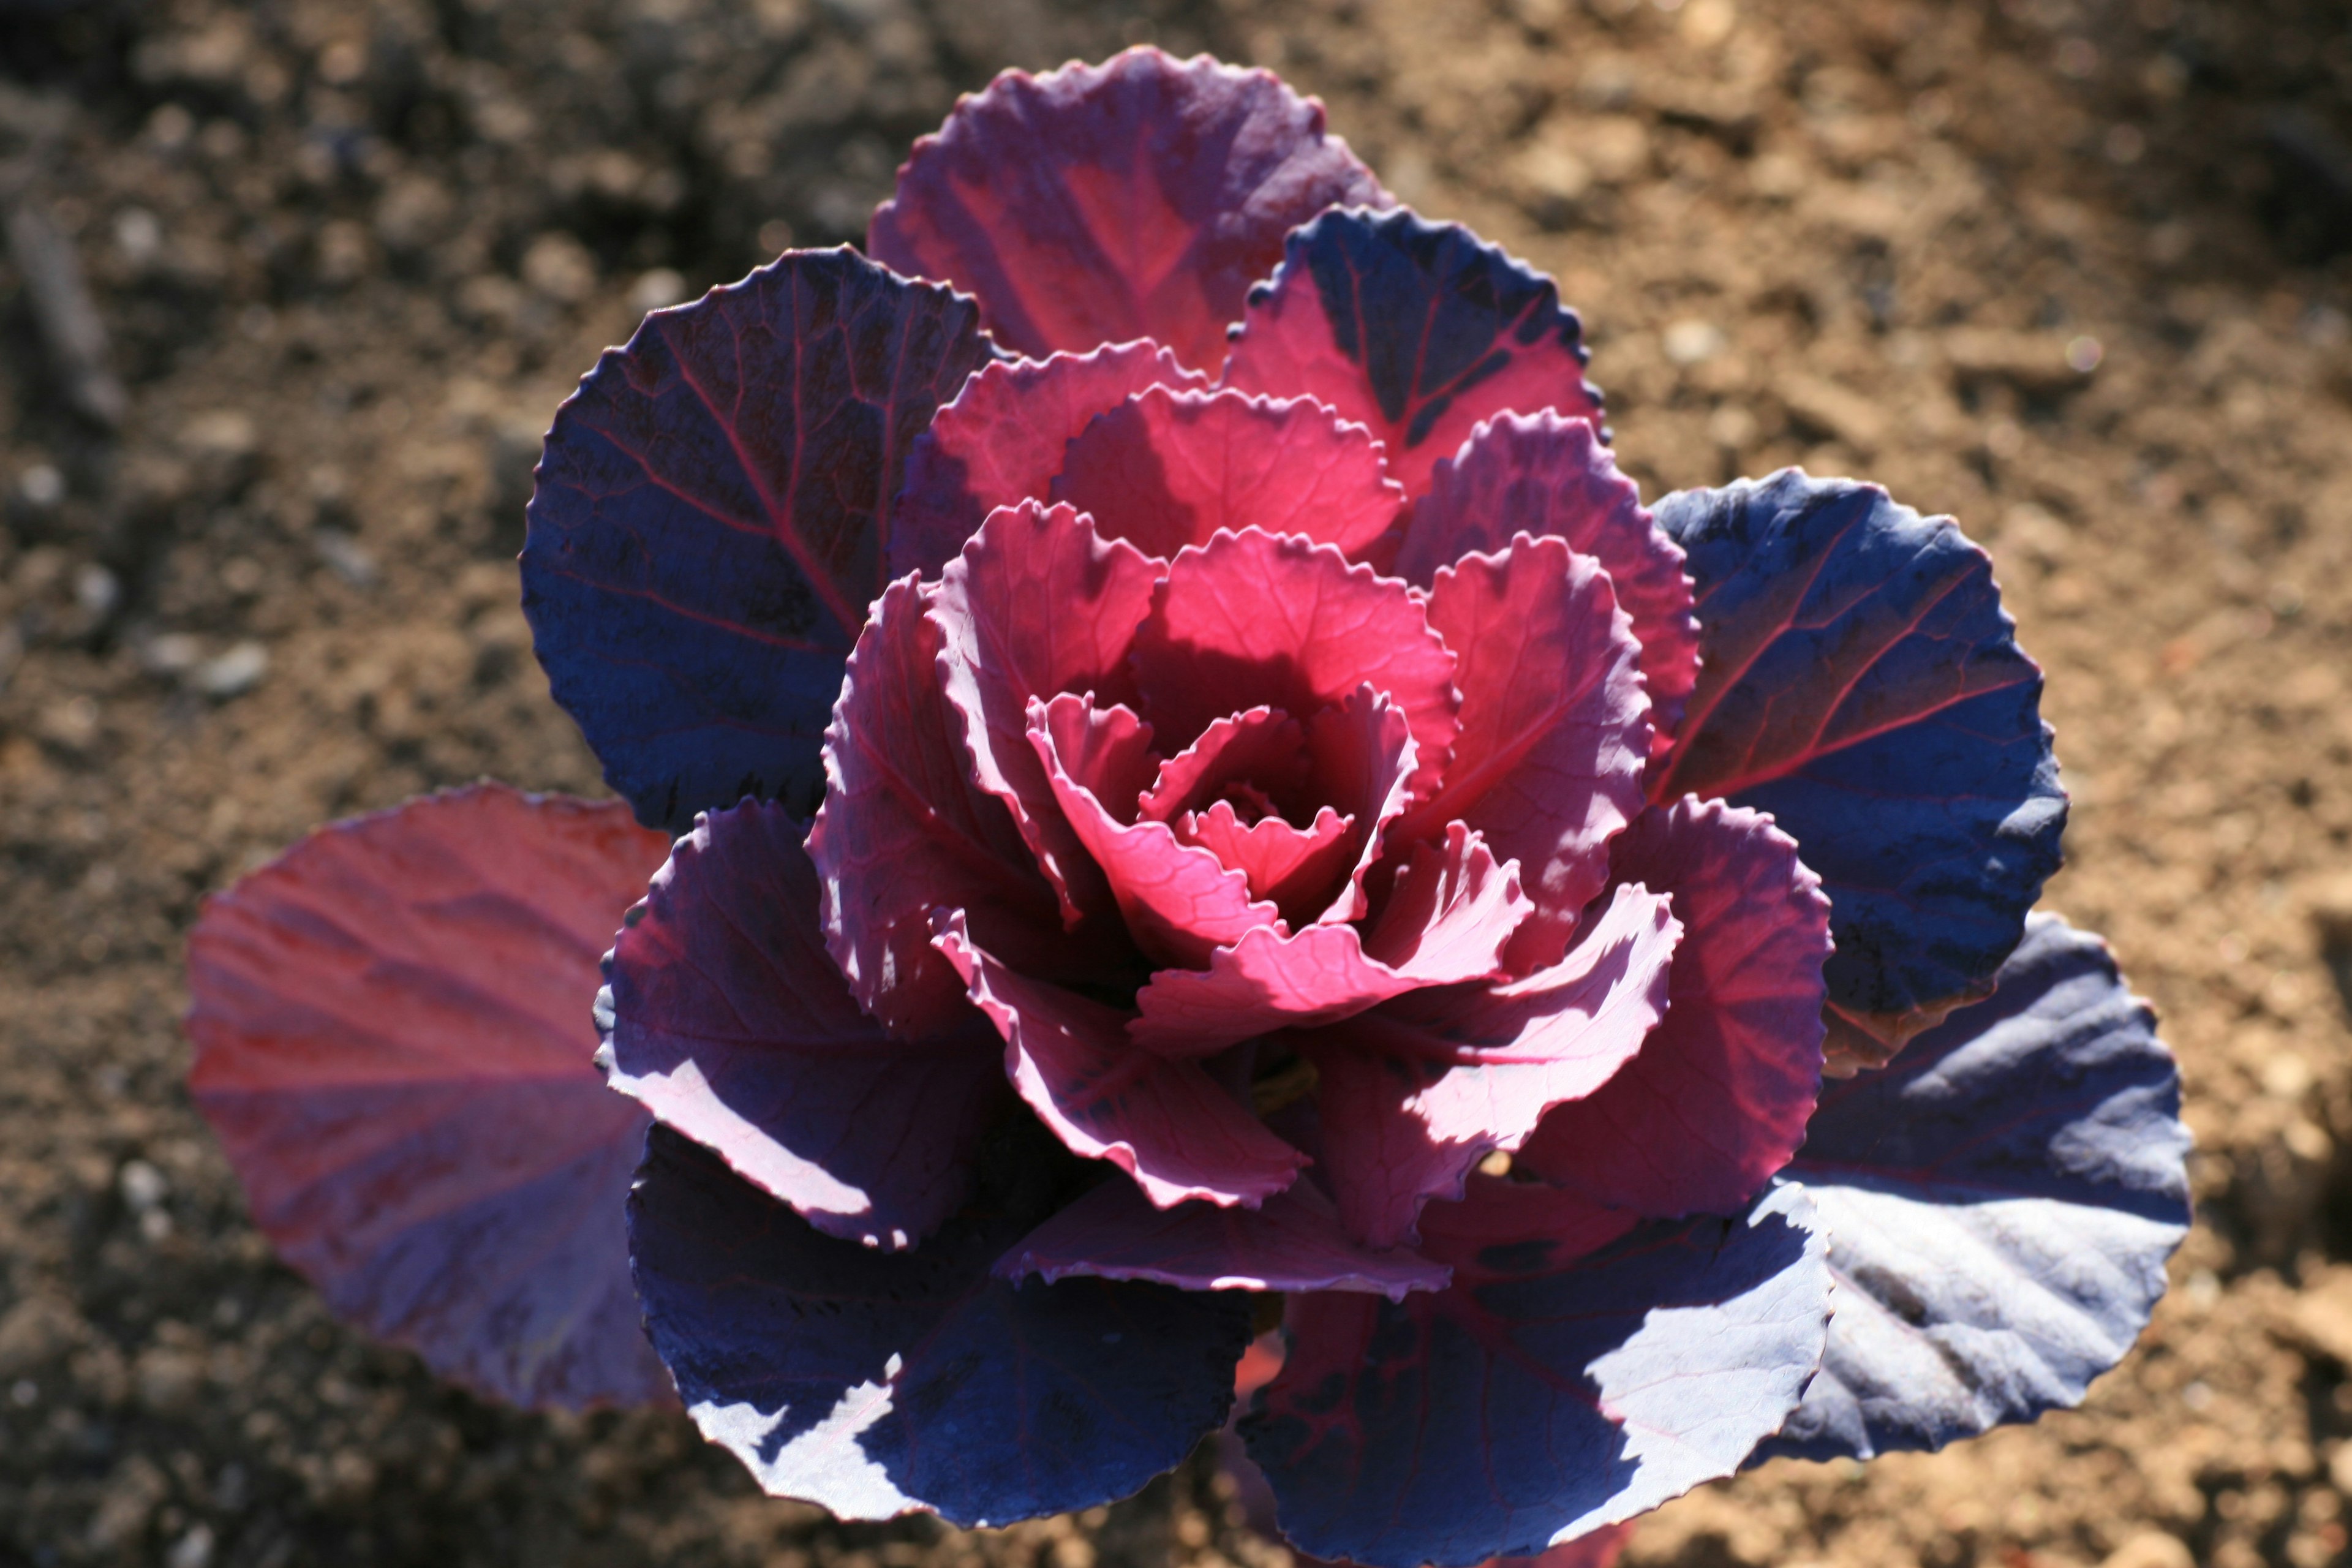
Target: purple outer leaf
[[1545, 1395], [2000, 1200], [1416, 330], [725, 1018], [393, 1043], [1600, 1549], [1861, 683], [880, 1384], [712, 517], [1140, 198], [1293, 1243]]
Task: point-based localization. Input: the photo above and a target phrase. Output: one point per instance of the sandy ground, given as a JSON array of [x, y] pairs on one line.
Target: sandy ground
[[350, 257]]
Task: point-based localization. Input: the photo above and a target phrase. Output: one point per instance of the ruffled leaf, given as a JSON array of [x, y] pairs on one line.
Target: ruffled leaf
[[1552, 1391], [1863, 684], [1140, 198], [1555, 729], [1451, 914], [1253, 618], [905, 829], [1002, 441], [1180, 904], [1165, 469], [1539, 474], [1414, 1094], [1260, 747], [1416, 330], [393, 1042], [2000, 1201], [1294, 1242], [727, 1020], [1349, 772], [877, 1384], [1166, 1123], [1717, 1100], [1037, 603], [712, 517], [1285, 866]]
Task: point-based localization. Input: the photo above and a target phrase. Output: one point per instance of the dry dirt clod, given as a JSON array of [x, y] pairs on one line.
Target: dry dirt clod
[[2150, 1549]]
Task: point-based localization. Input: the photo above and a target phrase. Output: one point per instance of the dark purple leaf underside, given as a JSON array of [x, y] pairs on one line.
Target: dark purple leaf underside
[[393, 1042], [876, 1382], [1861, 682], [1414, 329], [2000, 1201], [712, 518], [1543, 1400]]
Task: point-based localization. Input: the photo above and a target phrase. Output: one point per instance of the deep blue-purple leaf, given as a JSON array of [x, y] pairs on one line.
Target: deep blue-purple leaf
[[1860, 681], [391, 1041], [712, 517], [1416, 330], [724, 1016], [876, 1382], [1541, 1396], [2000, 1201]]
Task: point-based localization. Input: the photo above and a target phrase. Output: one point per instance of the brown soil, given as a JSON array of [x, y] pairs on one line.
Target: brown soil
[[350, 257]]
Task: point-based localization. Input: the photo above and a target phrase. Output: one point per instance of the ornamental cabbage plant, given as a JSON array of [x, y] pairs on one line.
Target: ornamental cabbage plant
[[1177, 790]]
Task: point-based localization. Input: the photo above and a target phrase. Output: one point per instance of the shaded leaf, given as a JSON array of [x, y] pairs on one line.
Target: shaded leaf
[[726, 1019], [1717, 1100], [1292, 1242], [393, 1040], [905, 828], [1166, 1123], [879, 1384]]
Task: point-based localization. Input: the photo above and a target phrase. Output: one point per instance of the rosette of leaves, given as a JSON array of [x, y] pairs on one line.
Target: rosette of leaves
[[1172, 776]]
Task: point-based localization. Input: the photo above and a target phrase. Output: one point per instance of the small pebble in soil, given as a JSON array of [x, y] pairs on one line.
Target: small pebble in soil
[[143, 1186], [234, 673], [345, 557], [1692, 341], [41, 486]]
